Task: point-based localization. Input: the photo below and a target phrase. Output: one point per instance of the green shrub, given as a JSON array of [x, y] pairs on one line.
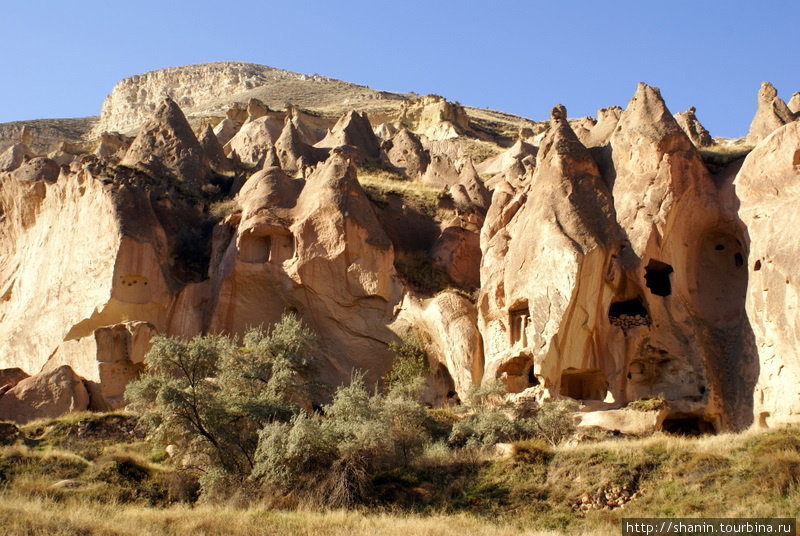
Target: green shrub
[[211, 398]]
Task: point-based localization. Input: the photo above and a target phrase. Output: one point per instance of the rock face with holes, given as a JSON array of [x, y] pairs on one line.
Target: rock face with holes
[[765, 186], [616, 294]]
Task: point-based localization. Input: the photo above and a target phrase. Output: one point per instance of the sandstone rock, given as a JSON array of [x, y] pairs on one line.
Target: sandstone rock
[[253, 139], [448, 322], [794, 103], [213, 151], [14, 156], [765, 185], [256, 109], [293, 153], [545, 252], [167, 146], [385, 131], [355, 130], [441, 172], [625, 421], [505, 160], [600, 133], [692, 128], [683, 268], [435, 117], [10, 377], [113, 146], [226, 130], [48, 394], [471, 184], [406, 153], [111, 356], [457, 251], [771, 113]]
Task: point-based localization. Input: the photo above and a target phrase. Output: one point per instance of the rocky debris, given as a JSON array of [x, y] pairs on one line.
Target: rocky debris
[[405, 152], [765, 186], [771, 113], [253, 139], [692, 128], [606, 498], [794, 103], [167, 146], [47, 394], [214, 152], [14, 156], [629, 321], [353, 129]]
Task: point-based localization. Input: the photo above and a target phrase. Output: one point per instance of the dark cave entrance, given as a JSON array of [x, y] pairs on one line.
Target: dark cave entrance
[[688, 426], [583, 384], [657, 277], [629, 313]]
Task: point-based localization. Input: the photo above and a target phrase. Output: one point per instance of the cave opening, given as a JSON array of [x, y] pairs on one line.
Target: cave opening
[[657, 277], [583, 384], [629, 313], [688, 426]]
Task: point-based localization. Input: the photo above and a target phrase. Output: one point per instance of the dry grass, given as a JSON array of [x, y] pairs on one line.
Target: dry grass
[[446, 491], [45, 516], [380, 183]]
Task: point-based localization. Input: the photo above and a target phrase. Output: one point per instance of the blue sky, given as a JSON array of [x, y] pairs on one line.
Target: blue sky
[[62, 58]]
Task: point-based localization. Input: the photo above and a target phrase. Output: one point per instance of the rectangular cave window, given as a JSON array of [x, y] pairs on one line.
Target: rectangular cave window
[[584, 384], [519, 319], [657, 277]]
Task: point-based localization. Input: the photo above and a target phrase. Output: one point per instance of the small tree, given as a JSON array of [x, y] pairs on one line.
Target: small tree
[[211, 397]]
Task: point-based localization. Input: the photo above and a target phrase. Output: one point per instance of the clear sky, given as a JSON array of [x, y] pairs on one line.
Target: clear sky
[[62, 58]]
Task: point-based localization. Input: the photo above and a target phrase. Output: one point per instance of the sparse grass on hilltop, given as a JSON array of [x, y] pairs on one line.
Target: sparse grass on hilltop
[[380, 182], [723, 152]]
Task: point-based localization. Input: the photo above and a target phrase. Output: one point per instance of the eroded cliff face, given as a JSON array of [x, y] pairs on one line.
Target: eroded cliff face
[[606, 264], [618, 289], [767, 188]]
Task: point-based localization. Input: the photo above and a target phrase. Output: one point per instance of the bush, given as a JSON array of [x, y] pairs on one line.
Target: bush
[[555, 421], [211, 398]]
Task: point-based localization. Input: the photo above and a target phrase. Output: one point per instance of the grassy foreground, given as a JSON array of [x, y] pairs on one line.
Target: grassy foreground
[[95, 474]]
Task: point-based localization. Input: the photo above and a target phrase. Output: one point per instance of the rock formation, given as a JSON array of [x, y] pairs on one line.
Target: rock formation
[[44, 395], [353, 129], [794, 103], [609, 265], [167, 146], [692, 128], [771, 113], [766, 187]]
